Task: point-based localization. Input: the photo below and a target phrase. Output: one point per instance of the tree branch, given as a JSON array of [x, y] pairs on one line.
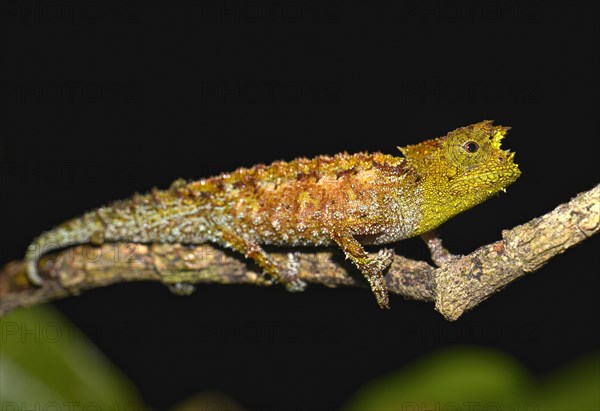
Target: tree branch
[[457, 286]]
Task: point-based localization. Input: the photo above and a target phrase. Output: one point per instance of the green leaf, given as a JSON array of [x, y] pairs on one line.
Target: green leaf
[[473, 378], [47, 363]]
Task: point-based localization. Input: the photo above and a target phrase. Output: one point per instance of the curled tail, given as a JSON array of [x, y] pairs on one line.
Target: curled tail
[[76, 231], [159, 216]]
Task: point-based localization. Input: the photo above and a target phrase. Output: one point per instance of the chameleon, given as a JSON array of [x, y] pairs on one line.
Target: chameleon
[[348, 200]]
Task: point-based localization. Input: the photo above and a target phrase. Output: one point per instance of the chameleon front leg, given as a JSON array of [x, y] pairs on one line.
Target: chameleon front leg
[[371, 267], [439, 254], [287, 276]]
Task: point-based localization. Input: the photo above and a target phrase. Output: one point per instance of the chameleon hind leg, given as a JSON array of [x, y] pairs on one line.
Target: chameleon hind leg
[[371, 267], [286, 275]]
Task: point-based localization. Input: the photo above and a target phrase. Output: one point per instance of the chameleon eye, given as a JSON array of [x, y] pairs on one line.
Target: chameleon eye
[[471, 147]]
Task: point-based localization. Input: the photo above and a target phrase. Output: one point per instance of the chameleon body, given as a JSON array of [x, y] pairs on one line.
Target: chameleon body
[[344, 200]]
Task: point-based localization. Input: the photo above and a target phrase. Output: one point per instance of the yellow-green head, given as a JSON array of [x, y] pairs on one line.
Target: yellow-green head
[[460, 170]]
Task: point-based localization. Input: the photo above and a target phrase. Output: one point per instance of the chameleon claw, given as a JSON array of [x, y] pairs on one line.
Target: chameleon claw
[[290, 278], [374, 273], [181, 288], [384, 258], [295, 286], [379, 288]]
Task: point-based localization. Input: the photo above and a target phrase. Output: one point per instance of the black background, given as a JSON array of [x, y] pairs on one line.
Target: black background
[[108, 99]]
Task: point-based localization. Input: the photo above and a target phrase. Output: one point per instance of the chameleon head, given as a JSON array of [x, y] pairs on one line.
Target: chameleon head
[[461, 170]]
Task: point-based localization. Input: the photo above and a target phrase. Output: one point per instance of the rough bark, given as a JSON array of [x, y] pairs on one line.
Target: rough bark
[[457, 286]]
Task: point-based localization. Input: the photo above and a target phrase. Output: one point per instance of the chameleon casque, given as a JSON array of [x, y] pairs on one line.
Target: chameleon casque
[[348, 200]]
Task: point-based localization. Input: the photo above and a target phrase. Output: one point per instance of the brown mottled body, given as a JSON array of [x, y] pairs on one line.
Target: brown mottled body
[[348, 200], [308, 202]]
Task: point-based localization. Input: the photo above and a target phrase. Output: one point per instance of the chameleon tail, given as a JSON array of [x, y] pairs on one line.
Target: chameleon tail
[[159, 216], [76, 231]]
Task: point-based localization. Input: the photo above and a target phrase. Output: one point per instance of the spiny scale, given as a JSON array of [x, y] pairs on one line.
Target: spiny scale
[[346, 200]]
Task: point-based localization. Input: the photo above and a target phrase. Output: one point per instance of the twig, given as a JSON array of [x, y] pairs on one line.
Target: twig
[[457, 286]]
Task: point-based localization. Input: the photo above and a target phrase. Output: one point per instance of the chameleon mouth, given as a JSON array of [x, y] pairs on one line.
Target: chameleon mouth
[[493, 179], [508, 175], [498, 134]]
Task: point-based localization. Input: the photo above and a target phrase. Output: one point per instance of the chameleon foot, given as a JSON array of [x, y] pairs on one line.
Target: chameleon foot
[[439, 254], [181, 288], [384, 258], [289, 275], [373, 270], [379, 288], [371, 267]]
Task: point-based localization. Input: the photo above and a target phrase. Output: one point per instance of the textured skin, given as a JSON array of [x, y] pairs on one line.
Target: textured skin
[[348, 200]]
